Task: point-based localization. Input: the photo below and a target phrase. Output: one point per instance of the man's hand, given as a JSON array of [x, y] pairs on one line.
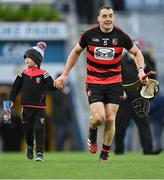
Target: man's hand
[[60, 81], [144, 77], [141, 75]]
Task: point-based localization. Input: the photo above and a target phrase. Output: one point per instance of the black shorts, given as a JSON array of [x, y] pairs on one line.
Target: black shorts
[[106, 93]]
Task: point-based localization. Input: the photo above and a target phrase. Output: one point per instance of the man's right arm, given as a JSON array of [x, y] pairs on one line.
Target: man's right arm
[[71, 61], [72, 58]]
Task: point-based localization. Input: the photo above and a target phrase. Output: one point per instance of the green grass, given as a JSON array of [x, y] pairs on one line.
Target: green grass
[[82, 166]]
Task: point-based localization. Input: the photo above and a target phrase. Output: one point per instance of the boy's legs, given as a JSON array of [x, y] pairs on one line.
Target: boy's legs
[[39, 132], [28, 126]]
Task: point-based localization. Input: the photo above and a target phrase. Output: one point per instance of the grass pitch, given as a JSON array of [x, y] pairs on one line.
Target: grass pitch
[[82, 165]]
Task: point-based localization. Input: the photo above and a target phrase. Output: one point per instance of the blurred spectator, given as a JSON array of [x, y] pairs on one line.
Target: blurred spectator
[[126, 110], [62, 118], [157, 105], [126, 113], [150, 63], [85, 11], [157, 120], [118, 5], [12, 134]]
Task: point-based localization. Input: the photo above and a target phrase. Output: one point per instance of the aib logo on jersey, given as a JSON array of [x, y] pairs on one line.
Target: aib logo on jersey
[[38, 80], [104, 53], [114, 41]]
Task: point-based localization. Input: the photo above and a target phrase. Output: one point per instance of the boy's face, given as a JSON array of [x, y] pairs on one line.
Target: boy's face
[[29, 62]]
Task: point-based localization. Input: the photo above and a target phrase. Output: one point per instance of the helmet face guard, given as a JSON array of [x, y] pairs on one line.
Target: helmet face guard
[[141, 107], [150, 90]]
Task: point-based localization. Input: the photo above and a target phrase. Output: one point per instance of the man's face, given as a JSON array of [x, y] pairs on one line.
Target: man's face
[[106, 19]]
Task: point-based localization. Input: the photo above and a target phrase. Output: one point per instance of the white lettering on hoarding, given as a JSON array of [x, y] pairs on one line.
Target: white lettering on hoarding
[[33, 31]]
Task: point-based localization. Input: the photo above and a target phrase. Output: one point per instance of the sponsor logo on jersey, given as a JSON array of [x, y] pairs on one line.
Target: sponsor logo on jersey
[[104, 53], [95, 40]]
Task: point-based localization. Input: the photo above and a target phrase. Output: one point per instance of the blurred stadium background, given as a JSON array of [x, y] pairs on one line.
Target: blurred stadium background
[[59, 23]]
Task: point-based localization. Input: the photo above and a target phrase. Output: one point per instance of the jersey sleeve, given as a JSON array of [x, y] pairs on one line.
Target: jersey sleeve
[[83, 40], [16, 86], [128, 43], [49, 81]]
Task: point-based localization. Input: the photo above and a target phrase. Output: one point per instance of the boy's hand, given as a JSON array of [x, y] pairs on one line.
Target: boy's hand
[[60, 81]]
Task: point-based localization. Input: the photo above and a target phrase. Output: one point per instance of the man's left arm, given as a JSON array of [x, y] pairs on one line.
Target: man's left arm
[[139, 61]]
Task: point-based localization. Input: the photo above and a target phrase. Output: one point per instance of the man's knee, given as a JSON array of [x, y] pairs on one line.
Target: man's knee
[[97, 119], [111, 118]]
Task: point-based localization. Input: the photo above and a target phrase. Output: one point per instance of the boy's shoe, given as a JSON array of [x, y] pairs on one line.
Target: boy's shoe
[[29, 152], [92, 141], [39, 156]]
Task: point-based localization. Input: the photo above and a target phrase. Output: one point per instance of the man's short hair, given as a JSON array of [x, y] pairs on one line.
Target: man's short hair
[[104, 7]]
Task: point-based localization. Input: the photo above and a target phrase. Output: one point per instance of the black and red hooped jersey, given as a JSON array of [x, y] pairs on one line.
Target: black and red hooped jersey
[[32, 82], [104, 52]]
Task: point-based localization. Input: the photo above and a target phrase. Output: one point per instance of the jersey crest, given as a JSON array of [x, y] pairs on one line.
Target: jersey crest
[[114, 41]]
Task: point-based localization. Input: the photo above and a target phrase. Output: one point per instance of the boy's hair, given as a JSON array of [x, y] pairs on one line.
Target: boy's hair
[[36, 53]]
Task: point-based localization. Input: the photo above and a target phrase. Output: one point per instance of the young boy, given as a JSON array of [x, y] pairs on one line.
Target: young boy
[[32, 83]]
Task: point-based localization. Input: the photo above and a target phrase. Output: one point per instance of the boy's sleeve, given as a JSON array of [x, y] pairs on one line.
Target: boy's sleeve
[[49, 82], [16, 87]]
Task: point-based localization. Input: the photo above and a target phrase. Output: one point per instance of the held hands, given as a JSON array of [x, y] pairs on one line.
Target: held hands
[[60, 81]]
